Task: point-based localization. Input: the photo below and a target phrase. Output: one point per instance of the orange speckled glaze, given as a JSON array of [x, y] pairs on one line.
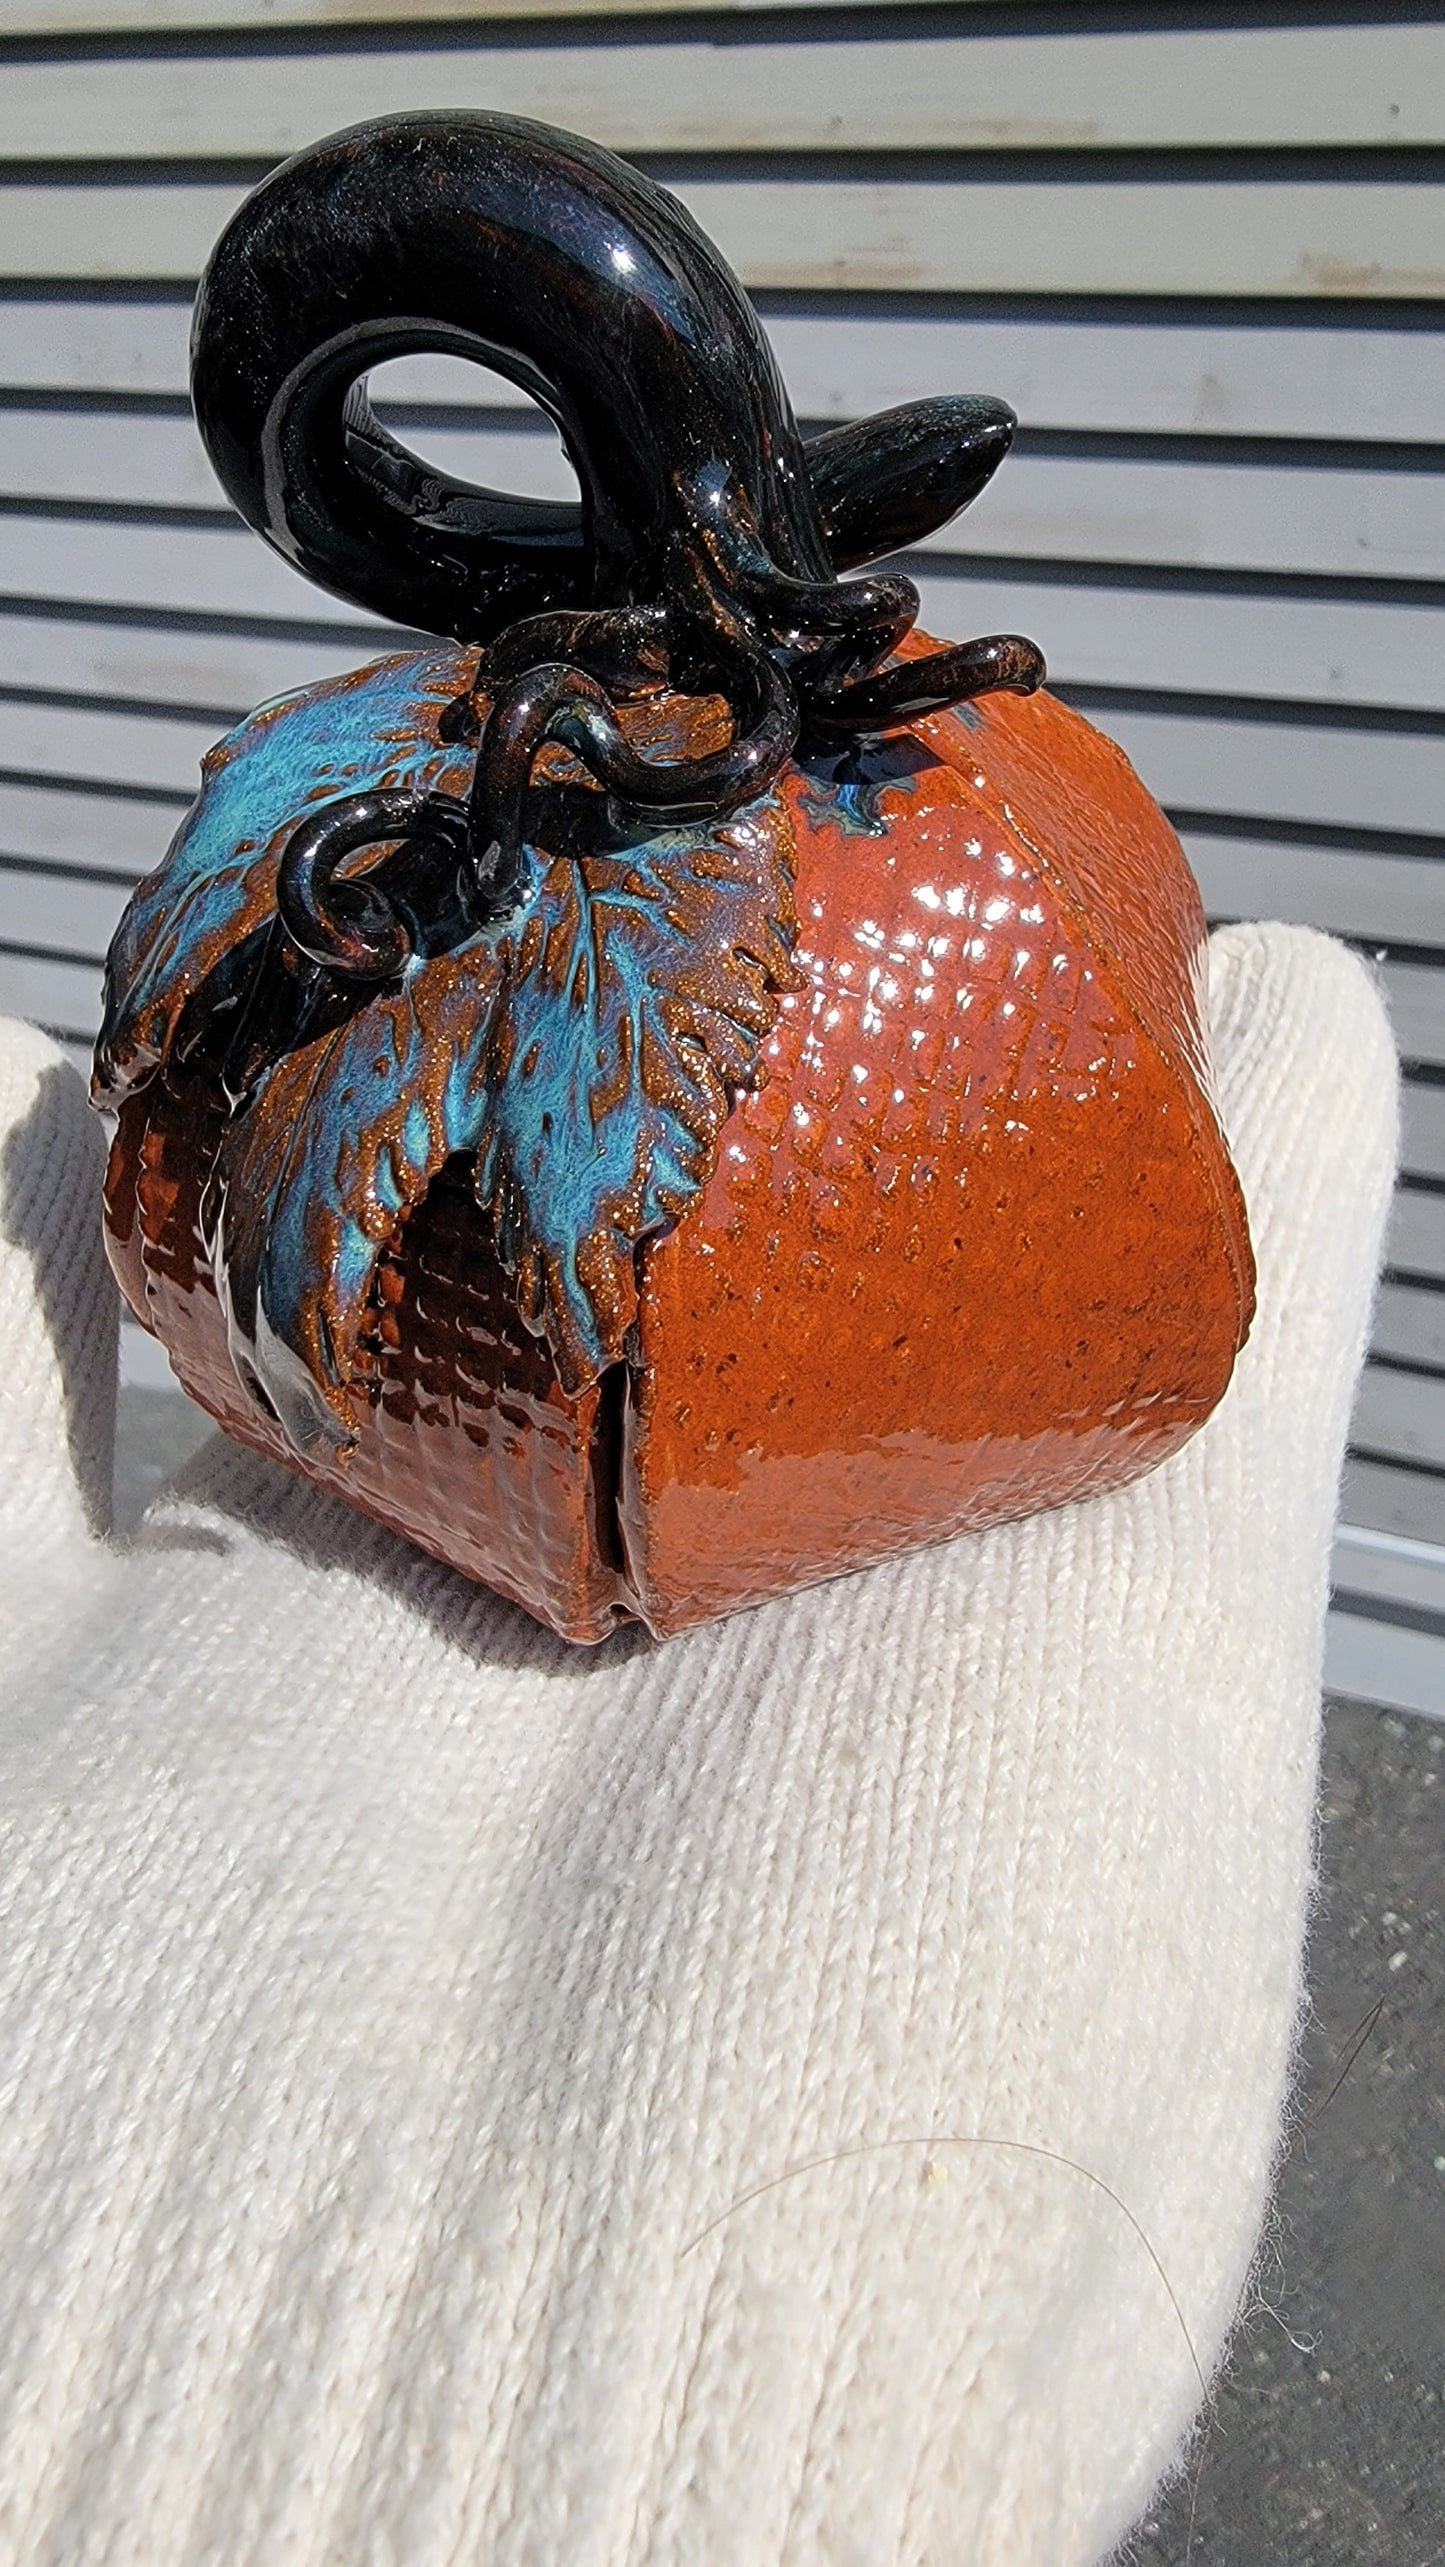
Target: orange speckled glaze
[[976, 1247], [973, 1247]]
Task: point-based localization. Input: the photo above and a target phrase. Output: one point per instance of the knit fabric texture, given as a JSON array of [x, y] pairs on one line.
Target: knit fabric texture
[[806, 2091]]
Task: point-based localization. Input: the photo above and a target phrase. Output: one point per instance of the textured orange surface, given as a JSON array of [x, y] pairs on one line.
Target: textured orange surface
[[976, 1246], [468, 1447], [973, 1247]]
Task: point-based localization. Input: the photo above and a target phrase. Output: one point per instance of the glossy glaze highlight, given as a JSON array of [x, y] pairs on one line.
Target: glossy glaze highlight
[[687, 1086]]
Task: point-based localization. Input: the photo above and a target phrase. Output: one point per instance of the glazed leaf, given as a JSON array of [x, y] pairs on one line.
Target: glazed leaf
[[340, 1141], [644, 984], [168, 946], [217, 883]]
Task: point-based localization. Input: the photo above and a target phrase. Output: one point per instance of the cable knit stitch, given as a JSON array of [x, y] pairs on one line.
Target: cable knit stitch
[[699, 2105]]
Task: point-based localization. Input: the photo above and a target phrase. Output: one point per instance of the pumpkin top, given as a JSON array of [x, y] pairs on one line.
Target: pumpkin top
[[531, 899]]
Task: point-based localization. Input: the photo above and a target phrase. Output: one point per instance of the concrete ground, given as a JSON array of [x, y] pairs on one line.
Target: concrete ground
[[1328, 2442], [1327, 2447]]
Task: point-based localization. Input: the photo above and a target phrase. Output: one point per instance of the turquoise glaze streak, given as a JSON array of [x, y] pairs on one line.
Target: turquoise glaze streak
[[646, 979], [585, 1047], [339, 1142], [217, 883]]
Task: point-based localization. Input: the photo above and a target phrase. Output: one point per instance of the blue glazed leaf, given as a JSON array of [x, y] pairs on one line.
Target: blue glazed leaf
[[339, 1143], [588, 1055], [217, 883], [643, 986]]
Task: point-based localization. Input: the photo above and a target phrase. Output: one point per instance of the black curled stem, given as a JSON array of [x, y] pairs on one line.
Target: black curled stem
[[350, 925], [704, 548], [1003, 663], [555, 702]]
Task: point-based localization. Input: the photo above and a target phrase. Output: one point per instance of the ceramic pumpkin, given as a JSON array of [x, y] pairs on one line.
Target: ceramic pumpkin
[[681, 1086]]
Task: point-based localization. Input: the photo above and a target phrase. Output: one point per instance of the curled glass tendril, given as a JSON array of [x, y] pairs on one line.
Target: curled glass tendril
[[701, 556]]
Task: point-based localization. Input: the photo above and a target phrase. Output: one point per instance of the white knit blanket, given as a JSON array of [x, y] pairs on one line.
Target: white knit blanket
[[804, 2092]]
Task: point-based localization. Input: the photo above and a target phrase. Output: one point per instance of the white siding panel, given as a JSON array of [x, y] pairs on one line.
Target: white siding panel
[[1366, 896], [1299, 649], [966, 235], [126, 835], [137, 460], [74, 345], [113, 232], [223, 672], [979, 234], [1353, 523], [64, 995], [85, 746], [1335, 777], [1163, 377], [1183, 87], [64, 912], [213, 570], [144, 461], [1303, 650]]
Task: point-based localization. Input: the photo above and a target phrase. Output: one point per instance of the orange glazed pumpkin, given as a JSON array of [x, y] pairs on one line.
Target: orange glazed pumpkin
[[687, 1087], [973, 1245]]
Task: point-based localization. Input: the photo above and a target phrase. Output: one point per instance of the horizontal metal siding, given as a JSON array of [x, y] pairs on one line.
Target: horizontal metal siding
[[1065, 499], [1206, 265], [943, 86], [972, 230], [1280, 373]]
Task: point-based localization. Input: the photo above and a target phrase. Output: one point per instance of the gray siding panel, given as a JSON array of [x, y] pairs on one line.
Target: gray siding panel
[[1422, 1132], [1416, 1243]]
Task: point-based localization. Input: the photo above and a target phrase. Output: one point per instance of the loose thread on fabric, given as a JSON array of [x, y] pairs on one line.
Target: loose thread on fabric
[[964, 2139]]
